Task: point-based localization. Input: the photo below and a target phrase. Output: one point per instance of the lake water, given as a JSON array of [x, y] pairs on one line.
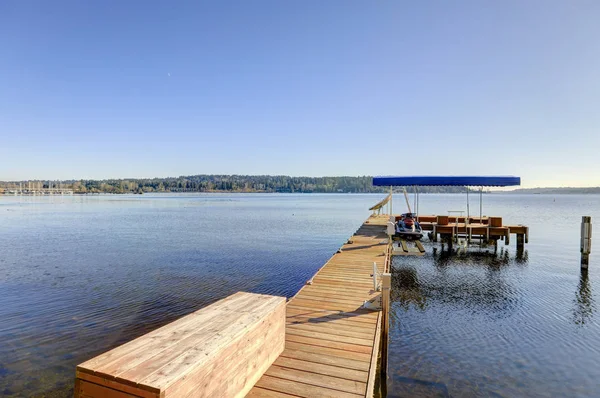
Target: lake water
[[80, 275]]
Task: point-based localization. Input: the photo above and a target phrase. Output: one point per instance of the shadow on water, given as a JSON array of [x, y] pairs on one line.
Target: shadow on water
[[584, 306], [418, 388]]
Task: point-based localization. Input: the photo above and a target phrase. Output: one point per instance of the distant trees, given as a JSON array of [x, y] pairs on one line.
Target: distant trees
[[238, 183]]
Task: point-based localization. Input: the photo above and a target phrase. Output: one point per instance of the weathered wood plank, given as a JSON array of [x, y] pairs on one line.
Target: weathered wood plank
[[357, 302], [331, 337], [85, 389], [341, 293], [323, 305], [323, 358], [122, 385], [316, 379], [326, 350], [327, 343], [327, 370], [301, 389], [258, 392], [357, 315], [334, 328]]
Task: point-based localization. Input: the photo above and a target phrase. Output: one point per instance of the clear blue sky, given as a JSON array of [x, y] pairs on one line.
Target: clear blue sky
[[99, 89]]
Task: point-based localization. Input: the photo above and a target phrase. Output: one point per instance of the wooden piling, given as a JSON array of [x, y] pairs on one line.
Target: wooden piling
[[520, 241], [386, 286], [586, 240]]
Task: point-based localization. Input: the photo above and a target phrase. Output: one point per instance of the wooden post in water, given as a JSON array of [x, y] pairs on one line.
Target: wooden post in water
[[520, 241], [386, 286], [586, 240]]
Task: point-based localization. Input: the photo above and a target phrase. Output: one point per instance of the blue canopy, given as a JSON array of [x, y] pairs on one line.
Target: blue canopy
[[472, 181]]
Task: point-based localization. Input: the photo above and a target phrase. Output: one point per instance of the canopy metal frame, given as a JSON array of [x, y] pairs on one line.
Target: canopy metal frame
[[465, 181]]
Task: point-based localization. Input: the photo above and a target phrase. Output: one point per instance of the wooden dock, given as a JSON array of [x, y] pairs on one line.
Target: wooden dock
[[332, 344], [489, 229]]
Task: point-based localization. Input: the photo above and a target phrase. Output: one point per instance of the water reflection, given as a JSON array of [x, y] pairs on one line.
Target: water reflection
[[436, 302], [480, 257], [522, 257], [411, 387], [406, 289], [475, 280], [584, 303]]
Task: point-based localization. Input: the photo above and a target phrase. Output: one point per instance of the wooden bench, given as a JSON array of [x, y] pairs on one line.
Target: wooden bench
[[219, 351]]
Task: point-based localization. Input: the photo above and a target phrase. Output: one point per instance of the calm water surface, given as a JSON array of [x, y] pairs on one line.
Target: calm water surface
[[80, 275], [506, 324]]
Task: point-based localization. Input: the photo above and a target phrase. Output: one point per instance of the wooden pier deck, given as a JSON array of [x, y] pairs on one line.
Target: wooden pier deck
[[332, 344]]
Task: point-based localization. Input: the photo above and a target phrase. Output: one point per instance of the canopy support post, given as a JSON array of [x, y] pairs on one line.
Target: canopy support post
[[468, 209], [391, 199], [417, 209], [415, 197], [481, 205]]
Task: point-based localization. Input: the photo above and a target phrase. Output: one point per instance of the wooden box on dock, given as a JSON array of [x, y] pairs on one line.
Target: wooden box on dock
[[219, 351], [442, 220], [495, 221]]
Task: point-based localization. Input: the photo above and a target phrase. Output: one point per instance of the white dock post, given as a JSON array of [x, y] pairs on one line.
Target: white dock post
[[586, 240]]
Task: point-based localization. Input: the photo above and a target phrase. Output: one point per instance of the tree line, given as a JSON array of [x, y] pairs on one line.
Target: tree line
[[229, 183]]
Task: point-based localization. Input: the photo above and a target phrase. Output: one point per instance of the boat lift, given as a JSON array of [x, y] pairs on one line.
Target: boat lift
[[458, 228]]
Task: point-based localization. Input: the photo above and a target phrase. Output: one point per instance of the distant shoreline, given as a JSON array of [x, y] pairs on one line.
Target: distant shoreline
[[213, 183], [527, 191], [555, 191]]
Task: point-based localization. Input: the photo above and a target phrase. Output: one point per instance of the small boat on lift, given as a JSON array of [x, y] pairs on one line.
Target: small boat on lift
[[407, 227]]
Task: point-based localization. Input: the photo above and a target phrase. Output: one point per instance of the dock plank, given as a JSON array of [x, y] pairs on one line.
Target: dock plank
[[301, 389], [317, 379], [339, 330], [259, 392], [341, 363], [327, 370]]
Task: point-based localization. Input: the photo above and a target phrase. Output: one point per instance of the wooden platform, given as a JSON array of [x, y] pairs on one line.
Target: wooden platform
[[332, 343], [476, 228]]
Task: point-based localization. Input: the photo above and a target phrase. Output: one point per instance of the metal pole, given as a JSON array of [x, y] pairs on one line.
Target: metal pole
[[391, 200], [417, 209], [481, 205], [415, 198], [407, 201], [468, 212]]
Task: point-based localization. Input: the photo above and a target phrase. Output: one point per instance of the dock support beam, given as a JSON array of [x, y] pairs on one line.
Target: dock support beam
[[586, 240]]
